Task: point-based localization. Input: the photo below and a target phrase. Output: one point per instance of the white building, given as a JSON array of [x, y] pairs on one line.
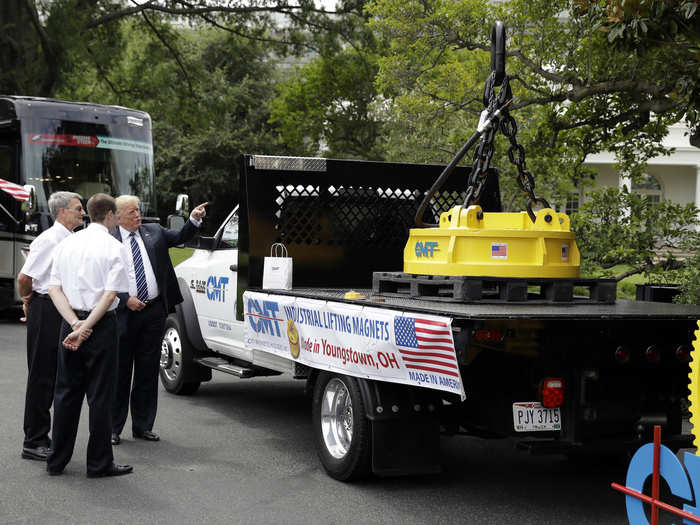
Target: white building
[[675, 177]]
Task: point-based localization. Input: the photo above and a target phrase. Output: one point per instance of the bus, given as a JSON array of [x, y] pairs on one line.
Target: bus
[[51, 145]]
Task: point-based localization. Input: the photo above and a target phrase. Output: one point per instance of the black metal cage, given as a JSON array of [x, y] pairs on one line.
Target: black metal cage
[[340, 220]]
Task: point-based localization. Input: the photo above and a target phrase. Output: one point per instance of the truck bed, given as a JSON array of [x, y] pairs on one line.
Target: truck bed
[[622, 309]]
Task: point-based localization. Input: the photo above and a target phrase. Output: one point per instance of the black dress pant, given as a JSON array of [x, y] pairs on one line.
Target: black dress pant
[[140, 338], [91, 370], [43, 329]]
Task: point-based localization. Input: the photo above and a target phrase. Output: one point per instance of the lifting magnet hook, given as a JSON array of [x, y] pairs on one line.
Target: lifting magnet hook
[[498, 52]]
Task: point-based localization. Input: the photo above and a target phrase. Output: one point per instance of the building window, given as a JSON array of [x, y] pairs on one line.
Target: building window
[[649, 186], [573, 201]]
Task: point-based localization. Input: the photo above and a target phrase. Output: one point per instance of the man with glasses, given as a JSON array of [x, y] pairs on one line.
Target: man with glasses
[[43, 322]]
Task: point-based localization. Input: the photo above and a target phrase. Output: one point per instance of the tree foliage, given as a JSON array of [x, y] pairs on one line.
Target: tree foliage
[[617, 227], [330, 105], [329, 108], [653, 28], [208, 94], [574, 93], [44, 38]]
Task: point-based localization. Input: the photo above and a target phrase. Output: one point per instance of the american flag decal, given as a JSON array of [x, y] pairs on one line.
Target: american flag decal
[[426, 345], [564, 252], [499, 250], [17, 191]]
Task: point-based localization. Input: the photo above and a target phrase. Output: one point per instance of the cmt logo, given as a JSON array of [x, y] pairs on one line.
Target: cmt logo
[[216, 288], [426, 249], [264, 319]]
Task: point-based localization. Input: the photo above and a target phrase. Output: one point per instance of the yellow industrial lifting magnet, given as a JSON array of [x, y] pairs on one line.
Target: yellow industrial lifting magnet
[[470, 242]]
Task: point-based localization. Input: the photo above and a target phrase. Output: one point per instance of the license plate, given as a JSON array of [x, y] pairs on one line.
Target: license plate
[[531, 416]]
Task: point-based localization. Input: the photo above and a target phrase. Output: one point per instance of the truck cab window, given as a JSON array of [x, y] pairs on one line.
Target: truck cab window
[[229, 236]]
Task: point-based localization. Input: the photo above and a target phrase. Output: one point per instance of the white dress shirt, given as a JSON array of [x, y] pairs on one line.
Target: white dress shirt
[[41, 253], [151, 282], [87, 264]]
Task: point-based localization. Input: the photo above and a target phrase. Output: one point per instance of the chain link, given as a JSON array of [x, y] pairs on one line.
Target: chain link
[[516, 153]]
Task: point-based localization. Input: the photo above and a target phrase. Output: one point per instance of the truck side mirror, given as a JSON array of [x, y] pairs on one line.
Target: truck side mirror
[[29, 206], [182, 204]]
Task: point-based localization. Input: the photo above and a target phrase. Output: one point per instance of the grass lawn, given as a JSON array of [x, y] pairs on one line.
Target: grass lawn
[[177, 255]]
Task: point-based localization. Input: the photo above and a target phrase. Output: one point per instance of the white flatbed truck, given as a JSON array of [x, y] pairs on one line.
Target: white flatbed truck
[[389, 373]]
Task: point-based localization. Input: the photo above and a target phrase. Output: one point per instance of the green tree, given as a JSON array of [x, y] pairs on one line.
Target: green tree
[[208, 94], [649, 28], [574, 93], [330, 105], [617, 227], [44, 40]]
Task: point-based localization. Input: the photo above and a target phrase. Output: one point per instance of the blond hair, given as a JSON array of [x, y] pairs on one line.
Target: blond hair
[[125, 200]]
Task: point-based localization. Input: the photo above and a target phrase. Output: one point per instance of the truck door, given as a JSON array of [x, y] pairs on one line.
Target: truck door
[[217, 278]]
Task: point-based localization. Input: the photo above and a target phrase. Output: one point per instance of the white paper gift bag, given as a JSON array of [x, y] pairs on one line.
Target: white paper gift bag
[[277, 270]]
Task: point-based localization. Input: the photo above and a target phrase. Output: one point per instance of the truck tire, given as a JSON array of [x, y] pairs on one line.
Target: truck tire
[[341, 428], [175, 356]]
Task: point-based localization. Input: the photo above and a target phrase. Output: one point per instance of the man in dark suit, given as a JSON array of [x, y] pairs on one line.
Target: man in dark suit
[[153, 292]]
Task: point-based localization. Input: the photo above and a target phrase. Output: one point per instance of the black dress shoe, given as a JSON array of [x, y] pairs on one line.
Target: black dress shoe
[[147, 435], [39, 453], [113, 470], [116, 439]]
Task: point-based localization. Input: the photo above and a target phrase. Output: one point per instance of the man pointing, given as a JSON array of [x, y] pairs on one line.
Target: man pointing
[[153, 293]]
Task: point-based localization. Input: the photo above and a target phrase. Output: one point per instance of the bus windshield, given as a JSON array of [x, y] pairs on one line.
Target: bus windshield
[[89, 158]]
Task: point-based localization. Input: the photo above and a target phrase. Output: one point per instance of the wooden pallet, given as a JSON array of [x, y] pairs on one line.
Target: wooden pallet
[[468, 289]]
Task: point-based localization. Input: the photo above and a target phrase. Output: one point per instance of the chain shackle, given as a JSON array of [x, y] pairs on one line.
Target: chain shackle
[[534, 202]]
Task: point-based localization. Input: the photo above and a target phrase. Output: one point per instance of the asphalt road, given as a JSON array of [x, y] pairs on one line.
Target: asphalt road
[[240, 451]]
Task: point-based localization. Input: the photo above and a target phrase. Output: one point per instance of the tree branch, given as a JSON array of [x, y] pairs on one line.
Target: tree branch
[[633, 271], [46, 47], [174, 53], [153, 5]]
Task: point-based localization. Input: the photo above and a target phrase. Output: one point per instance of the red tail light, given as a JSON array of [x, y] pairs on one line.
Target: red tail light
[[653, 354], [622, 354], [683, 354], [488, 335], [552, 392]]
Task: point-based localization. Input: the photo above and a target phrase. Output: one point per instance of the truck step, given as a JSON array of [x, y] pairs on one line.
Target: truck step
[[223, 365], [469, 289]]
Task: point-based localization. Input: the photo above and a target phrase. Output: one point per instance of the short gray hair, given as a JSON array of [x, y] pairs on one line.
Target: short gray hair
[[61, 200]]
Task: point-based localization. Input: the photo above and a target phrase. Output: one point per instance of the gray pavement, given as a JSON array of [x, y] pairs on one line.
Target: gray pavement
[[241, 451]]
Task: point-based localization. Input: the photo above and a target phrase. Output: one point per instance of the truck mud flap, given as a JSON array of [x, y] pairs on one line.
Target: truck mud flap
[[405, 428]]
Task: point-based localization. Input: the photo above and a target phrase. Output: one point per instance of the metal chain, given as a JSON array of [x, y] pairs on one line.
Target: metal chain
[[516, 153], [484, 151]]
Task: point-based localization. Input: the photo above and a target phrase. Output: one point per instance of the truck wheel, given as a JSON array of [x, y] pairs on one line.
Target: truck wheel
[[175, 356], [341, 429]]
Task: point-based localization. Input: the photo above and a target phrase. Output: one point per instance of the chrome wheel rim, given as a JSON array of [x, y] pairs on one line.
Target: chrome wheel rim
[[336, 418], [171, 354]]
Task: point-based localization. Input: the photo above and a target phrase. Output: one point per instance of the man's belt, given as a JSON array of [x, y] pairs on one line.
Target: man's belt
[[83, 314], [152, 301]]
